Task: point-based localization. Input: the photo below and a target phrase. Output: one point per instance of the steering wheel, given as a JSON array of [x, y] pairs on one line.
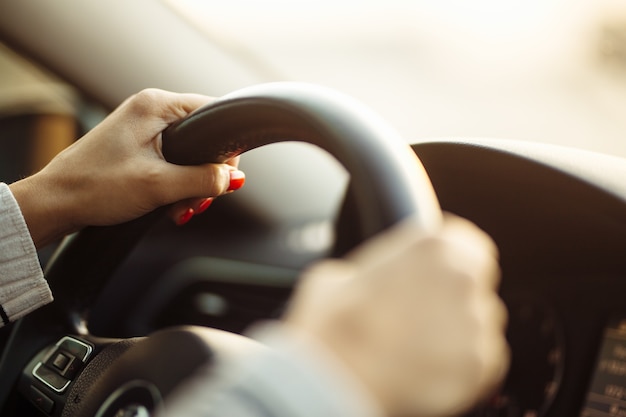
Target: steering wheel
[[51, 357]]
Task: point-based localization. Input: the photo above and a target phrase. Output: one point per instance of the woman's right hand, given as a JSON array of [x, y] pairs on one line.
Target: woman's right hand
[[414, 316]]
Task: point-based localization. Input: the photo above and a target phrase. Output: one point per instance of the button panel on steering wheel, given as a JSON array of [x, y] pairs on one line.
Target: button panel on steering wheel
[[62, 363]]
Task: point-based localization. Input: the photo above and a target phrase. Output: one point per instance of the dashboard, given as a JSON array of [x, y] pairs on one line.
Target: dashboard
[[558, 216], [559, 219]]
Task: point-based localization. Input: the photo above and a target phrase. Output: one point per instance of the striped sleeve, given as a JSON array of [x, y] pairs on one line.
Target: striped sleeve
[[22, 284]]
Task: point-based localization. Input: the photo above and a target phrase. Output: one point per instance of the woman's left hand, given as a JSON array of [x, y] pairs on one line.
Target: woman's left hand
[[117, 172]]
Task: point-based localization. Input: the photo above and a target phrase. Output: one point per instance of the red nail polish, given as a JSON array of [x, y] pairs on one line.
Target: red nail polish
[[186, 216], [205, 204], [237, 179]]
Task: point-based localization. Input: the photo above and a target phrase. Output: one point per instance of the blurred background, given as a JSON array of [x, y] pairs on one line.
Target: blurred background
[[541, 70], [546, 70]]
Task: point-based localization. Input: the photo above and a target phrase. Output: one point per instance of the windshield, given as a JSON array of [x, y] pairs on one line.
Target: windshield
[[545, 70]]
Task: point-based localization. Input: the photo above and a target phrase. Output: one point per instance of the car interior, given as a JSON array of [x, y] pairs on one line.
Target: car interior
[[515, 113]]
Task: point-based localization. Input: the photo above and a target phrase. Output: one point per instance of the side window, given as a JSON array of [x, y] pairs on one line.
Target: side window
[[39, 116]]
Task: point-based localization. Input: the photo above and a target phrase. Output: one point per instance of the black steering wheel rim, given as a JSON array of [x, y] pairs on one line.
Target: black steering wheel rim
[[388, 184], [372, 152]]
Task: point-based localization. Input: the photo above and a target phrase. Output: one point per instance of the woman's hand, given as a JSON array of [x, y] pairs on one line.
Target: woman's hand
[[117, 172], [415, 317]]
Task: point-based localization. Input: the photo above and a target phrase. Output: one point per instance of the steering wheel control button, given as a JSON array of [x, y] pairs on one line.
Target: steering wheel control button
[[74, 365], [41, 400], [60, 361], [62, 364], [51, 378], [75, 347]]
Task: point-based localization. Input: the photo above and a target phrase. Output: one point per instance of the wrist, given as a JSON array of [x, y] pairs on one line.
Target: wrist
[[313, 360], [343, 338], [43, 210]]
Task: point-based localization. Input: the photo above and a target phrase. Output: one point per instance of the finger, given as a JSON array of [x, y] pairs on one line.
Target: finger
[[181, 105], [179, 212], [466, 232], [473, 248], [496, 358], [167, 105], [234, 162], [493, 348], [201, 181]]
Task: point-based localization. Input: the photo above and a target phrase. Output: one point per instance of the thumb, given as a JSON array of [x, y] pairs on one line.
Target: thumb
[[208, 180]]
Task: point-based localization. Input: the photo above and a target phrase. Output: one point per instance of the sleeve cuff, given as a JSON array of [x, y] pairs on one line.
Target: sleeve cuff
[[22, 284], [288, 376]]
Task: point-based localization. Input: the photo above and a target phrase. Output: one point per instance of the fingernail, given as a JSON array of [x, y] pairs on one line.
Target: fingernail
[[237, 179], [205, 204], [186, 216]]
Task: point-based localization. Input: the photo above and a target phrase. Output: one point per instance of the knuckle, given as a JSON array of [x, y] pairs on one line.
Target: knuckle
[[214, 180], [144, 101]]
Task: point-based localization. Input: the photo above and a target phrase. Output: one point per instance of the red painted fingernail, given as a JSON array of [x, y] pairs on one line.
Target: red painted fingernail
[[237, 179], [186, 216], [206, 203]]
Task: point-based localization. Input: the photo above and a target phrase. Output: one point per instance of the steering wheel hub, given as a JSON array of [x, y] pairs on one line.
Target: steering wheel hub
[[134, 399]]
